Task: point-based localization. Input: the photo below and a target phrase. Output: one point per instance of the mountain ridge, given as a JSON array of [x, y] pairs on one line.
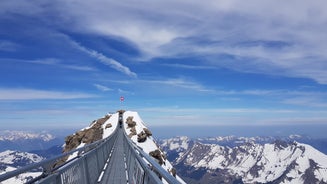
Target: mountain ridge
[[277, 162]]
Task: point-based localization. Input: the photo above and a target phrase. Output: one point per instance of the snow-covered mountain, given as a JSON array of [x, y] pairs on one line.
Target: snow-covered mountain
[[27, 141], [11, 160], [249, 162], [9, 135], [135, 128]]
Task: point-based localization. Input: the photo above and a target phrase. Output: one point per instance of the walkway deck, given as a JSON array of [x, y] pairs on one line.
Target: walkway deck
[[116, 172]]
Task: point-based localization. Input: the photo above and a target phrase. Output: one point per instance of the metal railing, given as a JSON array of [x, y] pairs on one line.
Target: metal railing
[[93, 155], [89, 165], [142, 168]]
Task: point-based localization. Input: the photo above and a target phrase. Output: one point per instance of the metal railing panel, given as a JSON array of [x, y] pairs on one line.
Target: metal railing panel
[[73, 173], [138, 170], [87, 168]]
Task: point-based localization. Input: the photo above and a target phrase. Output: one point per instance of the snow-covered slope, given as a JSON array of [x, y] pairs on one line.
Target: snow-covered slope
[[11, 160], [149, 145], [278, 162]]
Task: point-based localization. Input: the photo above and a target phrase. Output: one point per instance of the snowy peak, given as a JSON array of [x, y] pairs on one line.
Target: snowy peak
[[179, 143], [11, 160], [8, 135], [18, 159]]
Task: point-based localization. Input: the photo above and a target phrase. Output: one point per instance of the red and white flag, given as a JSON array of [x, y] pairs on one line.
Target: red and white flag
[[122, 98]]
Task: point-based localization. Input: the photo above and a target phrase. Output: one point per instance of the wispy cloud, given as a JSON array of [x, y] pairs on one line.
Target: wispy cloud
[[35, 94], [53, 62], [8, 46], [104, 59], [172, 116], [193, 67], [59, 63], [253, 36], [311, 101], [102, 87], [125, 92], [261, 39], [181, 83]]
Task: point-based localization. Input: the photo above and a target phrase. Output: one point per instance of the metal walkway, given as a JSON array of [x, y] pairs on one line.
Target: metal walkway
[[115, 159], [116, 170]]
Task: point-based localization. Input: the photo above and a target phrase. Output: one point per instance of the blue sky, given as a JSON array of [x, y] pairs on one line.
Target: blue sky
[[197, 63]]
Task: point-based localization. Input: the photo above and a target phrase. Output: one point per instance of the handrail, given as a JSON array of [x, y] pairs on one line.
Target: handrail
[[155, 165], [50, 161]]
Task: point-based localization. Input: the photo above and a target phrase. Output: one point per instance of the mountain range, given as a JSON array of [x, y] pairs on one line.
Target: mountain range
[[205, 161], [27, 140]]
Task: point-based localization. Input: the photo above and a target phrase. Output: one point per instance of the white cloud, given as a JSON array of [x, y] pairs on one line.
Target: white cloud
[[211, 28], [195, 67], [125, 92], [104, 59], [307, 101], [180, 83], [273, 37], [53, 62], [102, 87], [34, 94]]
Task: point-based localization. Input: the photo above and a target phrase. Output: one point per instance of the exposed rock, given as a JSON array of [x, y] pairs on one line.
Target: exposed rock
[[173, 172], [109, 125], [141, 137], [133, 132], [157, 155], [72, 141], [131, 135], [93, 134], [130, 123], [147, 132], [93, 122], [87, 136], [101, 121]]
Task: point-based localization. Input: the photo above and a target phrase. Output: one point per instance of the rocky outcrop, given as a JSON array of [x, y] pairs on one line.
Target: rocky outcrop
[[87, 136], [147, 132], [133, 132], [158, 156], [109, 125], [141, 137], [173, 172], [130, 123]]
